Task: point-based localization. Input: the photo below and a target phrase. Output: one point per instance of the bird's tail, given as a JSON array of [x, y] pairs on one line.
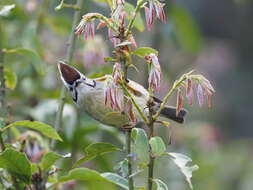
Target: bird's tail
[[170, 113]]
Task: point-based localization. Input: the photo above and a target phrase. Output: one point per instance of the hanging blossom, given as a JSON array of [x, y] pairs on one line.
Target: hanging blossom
[[119, 13], [180, 101], [87, 26], [204, 90], [132, 40], [113, 94], [116, 73], [154, 79], [155, 10]]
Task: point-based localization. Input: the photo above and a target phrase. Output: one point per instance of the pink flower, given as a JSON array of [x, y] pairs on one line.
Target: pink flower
[[160, 12], [150, 16], [113, 38], [86, 26], [189, 91], [154, 79], [116, 73], [154, 10], [113, 95], [180, 101], [132, 40], [200, 95]]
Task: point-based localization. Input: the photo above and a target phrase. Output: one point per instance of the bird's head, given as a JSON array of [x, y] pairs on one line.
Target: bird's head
[[74, 80]]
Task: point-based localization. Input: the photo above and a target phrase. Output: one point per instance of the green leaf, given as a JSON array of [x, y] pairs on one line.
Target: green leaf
[[157, 146], [181, 161], [141, 146], [186, 30], [10, 79], [143, 51], [138, 23], [43, 128], [5, 10], [83, 174], [96, 149], [33, 56], [116, 179], [160, 185], [16, 163], [48, 160]]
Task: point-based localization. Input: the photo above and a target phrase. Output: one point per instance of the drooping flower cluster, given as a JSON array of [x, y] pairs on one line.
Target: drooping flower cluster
[[154, 79], [113, 94], [86, 26], [116, 73], [202, 87], [155, 10], [119, 13]]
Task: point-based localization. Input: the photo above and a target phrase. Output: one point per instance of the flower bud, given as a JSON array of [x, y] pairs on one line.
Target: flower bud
[[154, 78]]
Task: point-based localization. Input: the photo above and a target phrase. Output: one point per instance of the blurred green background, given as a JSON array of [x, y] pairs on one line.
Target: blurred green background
[[213, 37]]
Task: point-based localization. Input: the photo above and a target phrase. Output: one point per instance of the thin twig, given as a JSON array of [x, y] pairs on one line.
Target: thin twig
[[70, 50], [128, 131], [136, 11], [135, 104], [170, 92]]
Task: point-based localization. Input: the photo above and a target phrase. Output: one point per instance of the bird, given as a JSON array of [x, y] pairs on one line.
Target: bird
[[89, 96]]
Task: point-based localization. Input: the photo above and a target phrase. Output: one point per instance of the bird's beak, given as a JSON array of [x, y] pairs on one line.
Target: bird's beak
[[68, 74]]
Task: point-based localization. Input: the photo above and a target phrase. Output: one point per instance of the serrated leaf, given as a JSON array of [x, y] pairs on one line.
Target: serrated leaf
[[138, 23], [83, 174], [157, 146], [5, 10], [48, 160], [32, 55], [160, 185], [43, 128], [116, 179], [141, 146], [10, 79], [143, 51], [96, 149], [17, 164], [181, 161]]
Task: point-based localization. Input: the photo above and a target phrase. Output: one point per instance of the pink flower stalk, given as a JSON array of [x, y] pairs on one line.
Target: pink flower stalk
[[154, 79], [154, 10], [113, 95]]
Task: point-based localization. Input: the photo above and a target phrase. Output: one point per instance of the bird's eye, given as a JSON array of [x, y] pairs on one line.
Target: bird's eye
[[71, 88]]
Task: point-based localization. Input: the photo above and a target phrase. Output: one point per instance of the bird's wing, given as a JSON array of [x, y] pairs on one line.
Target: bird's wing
[[137, 89], [133, 87]]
